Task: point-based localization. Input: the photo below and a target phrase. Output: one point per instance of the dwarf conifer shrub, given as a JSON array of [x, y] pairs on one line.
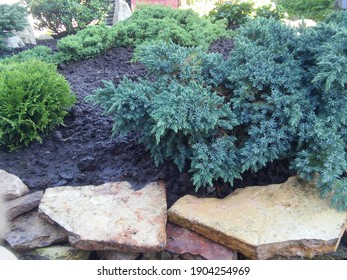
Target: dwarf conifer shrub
[[280, 95], [12, 17], [34, 98], [87, 43], [42, 53], [179, 114], [160, 23]]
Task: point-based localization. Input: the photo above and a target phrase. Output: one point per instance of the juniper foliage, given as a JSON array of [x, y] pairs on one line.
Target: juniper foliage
[[280, 95]]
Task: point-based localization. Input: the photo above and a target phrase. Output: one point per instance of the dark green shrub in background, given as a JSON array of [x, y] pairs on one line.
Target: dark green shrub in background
[[159, 23], [236, 12], [12, 17], [311, 9], [67, 16], [87, 43], [280, 95], [34, 98]]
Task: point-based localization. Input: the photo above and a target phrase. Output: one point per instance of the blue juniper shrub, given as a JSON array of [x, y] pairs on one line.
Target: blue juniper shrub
[[280, 95]]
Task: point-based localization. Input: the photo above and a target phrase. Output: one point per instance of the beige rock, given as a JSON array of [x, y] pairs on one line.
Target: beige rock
[[44, 37], [286, 219], [111, 216], [29, 232], [11, 186], [23, 204]]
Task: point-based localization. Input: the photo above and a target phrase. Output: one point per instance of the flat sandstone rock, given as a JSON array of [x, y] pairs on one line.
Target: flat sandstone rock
[[286, 219], [111, 216]]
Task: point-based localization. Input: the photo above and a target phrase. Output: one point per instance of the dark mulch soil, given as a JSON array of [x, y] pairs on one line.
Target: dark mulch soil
[[83, 151]]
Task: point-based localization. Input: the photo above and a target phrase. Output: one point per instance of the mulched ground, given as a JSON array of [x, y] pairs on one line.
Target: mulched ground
[[84, 152]]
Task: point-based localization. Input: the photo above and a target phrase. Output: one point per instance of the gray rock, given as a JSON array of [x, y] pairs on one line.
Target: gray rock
[[29, 232], [27, 34], [122, 11], [11, 186], [23, 204], [14, 42], [111, 216]]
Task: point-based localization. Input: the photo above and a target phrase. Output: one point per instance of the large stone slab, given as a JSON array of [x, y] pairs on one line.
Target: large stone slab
[[11, 186], [111, 216], [286, 219], [29, 232], [182, 241], [23, 204]]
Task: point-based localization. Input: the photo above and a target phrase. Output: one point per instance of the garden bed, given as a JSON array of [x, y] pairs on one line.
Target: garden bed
[[83, 151]]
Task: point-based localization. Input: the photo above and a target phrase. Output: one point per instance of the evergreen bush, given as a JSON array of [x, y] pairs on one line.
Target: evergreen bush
[[68, 16], [42, 53], [87, 43], [12, 17], [34, 98], [159, 23], [280, 95]]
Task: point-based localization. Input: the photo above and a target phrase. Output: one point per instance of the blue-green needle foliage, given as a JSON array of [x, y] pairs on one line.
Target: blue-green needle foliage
[[280, 95]]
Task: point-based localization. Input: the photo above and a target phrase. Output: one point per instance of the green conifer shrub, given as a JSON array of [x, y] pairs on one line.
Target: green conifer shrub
[[12, 17], [42, 53], [280, 95], [87, 43], [34, 98], [67, 16], [159, 23]]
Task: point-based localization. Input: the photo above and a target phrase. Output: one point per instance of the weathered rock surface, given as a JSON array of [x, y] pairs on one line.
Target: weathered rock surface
[[6, 254], [286, 219], [14, 42], [116, 255], [57, 252], [111, 216], [11, 186], [23, 204], [29, 232], [122, 11], [27, 34], [182, 241]]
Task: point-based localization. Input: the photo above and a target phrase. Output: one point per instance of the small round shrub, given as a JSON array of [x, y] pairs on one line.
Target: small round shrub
[[34, 98]]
